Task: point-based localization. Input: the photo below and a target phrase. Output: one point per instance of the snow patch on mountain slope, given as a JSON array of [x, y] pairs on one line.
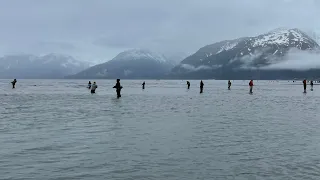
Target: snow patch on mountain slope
[[227, 46], [208, 55]]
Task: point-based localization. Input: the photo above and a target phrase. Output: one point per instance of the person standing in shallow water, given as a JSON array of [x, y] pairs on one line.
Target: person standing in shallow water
[[311, 84], [188, 84], [89, 85], [251, 85], [201, 86], [94, 87], [143, 84], [305, 86], [14, 83], [229, 84], [118, 88]]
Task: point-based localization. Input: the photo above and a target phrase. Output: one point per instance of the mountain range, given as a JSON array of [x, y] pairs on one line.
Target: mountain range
[[261, 57], [45, 67], [249, 57], [278, 54], [131, 64]]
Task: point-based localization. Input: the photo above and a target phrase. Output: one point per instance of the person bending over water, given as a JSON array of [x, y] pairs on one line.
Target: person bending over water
[[251, 86], [14, 83], [311, 84], [94, 87], [188, 84], [143, 84], [201, 86], [229, 84], [305, 86], [118, 88], [89, 85]]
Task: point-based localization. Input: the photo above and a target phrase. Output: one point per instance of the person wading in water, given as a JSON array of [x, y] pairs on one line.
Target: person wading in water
[[143, 84], [89, 85], [118, 88], [251, 86], [94, 87], [14, 83], [201, 86]]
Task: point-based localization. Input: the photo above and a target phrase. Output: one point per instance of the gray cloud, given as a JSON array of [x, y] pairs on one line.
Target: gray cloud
[[294, 59], [297, 60], [55, 45], [202, 67], [97, 30]]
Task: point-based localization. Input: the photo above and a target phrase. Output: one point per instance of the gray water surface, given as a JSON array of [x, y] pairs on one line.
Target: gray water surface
[[55, 129]]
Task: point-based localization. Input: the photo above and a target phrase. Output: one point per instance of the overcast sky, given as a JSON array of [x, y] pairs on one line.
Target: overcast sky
[[96, 30]]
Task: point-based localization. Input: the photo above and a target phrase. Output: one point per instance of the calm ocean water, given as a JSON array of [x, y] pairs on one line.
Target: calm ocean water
[[55, 129]]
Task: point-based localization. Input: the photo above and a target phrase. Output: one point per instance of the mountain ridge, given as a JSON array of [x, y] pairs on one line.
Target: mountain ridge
[[40, 67], [236, 56], [130, 64], [279, 51]]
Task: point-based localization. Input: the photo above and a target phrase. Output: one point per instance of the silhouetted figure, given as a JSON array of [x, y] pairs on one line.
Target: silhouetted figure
[[14, 83], [201, 86], [305, 86], [118, 88], [229, 84], [89, 85], [311, 84], [188, 84], [143, 84], [251, 85], [94, 87]]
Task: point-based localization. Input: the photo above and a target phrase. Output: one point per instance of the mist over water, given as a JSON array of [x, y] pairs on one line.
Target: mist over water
[[55, 129]]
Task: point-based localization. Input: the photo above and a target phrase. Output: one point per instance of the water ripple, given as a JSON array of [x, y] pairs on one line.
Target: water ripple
[[58, 130]]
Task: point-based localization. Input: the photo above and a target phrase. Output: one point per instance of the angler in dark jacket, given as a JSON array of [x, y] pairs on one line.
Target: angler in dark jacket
[[143, 84], [118, 88], [201, 86], [14, 83], [89, 85]]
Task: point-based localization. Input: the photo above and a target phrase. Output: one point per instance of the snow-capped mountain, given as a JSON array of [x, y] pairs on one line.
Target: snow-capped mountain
[[234, 58], [137, 54], [131, 64], [46, 66]]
